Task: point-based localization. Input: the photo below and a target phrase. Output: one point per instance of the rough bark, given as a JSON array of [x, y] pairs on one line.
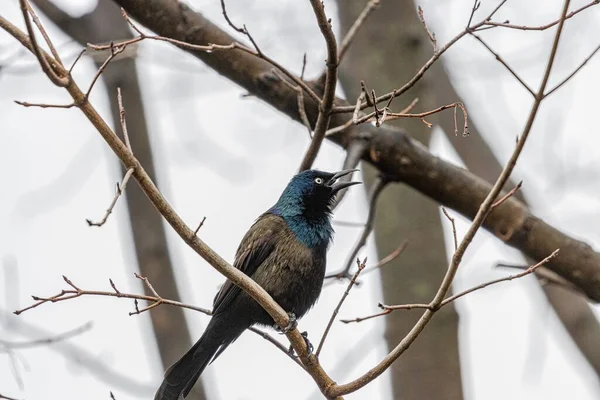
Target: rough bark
[[403, 213], [104, 24]]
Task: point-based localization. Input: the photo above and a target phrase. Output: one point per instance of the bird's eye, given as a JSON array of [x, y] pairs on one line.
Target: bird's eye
[[319, 181]]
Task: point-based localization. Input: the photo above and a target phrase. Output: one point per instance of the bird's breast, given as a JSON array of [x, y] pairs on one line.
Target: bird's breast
[[293, 274]]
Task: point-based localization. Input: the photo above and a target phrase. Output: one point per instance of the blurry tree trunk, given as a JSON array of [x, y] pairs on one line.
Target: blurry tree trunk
[[105, 24], [388, 50], [573, 310]]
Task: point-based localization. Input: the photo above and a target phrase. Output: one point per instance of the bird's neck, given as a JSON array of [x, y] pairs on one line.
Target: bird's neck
[[312, 232], [310, 225]]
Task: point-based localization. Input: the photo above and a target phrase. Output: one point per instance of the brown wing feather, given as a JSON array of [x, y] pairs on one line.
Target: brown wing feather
[[254, 248]]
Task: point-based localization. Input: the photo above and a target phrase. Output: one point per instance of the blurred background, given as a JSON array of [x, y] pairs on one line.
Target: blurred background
[[217, 153]]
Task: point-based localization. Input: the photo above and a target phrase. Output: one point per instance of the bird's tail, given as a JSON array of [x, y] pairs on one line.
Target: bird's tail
[[181, 376]]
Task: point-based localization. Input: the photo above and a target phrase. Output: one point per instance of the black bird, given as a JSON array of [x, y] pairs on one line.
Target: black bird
[[284, 252]]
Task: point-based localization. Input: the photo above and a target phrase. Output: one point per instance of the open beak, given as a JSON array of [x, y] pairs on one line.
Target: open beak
[[337, 186]]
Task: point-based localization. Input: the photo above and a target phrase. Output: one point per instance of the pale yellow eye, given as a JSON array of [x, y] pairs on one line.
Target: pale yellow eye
[[319, 181]]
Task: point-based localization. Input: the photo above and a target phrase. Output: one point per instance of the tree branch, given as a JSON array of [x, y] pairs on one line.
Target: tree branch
[[331, 72]]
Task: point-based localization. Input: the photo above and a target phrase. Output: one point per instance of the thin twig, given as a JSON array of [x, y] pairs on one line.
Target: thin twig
[[300, 100], [303, 67], [114, 51], [528, 271], [348, 223], [572, 74], [501, 60], [81, 53], [58, 80], [46, 341], [430, 34], [354, 152], [508, 195], [389, 258], [277, 344], [336, 310], [540, 27], [347, 41], [199, 226], [457, 105], [39, 25], [78, 292], [123, 119], [119, 191], [453, 222], [476, 5], [243, 30]]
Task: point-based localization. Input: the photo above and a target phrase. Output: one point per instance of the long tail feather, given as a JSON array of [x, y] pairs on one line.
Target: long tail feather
[[181, 376]]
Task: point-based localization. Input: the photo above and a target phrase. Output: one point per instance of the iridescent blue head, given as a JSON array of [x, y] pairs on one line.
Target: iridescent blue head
[[306, 205]]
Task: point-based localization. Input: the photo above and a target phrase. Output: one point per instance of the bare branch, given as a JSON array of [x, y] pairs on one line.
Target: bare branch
[[572, 74], [75, 292], [123, 119], [453, 227], [243, 30], [389, 258], [39, 25], [199, 226], [61, 80], [508, 195], [300, 99], [354, 153], [347, 41], [431, 35], [501, 60], [361, 266], [46, 341], [118, 192], [331, 71], [541, 27]]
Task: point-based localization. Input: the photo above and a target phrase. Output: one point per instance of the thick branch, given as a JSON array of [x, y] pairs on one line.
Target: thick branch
[[390, 150]]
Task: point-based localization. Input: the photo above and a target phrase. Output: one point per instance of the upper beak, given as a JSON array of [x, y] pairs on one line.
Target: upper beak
[[337, 186]]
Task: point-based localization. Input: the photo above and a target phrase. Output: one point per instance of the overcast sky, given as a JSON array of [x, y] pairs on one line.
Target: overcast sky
[[228, 158]]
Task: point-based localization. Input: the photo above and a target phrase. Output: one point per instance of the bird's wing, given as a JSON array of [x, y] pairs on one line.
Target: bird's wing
[[255, 247]]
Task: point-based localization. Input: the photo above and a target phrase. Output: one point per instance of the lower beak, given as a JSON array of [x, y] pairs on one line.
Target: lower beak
[[337, 186]]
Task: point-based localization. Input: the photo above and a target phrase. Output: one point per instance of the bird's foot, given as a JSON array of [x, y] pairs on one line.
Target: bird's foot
[[291, 325], [309, 346]]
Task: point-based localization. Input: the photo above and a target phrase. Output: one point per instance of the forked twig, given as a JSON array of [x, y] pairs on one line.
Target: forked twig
[[388, 309]]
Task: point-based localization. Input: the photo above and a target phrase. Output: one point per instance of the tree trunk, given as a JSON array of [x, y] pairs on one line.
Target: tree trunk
[[390, 47]]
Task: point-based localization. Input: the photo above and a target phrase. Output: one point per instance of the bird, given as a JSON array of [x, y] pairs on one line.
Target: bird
[[284, 251]]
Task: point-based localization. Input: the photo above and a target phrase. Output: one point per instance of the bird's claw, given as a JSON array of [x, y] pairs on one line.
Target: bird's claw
[[290, 326], [309, 346]]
